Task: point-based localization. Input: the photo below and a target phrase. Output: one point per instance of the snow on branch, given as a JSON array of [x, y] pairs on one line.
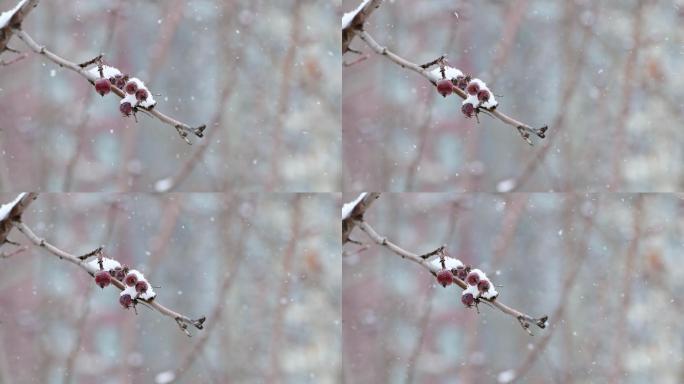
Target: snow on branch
[[355, 210], [477, 97], [135, 288], [136, 97], [476, 286]]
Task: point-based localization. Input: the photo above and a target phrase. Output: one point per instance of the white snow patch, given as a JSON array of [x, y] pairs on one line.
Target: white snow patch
[[449, 262], [506, 376], [163, 185], [349, 207], [107, 71], [5, 209], [504, 186], [472, 289], [450, 73], [7, 15], [491, 292], [491, 103], [129, 291], [164, 377], [471, 99], [107, 264], [349, 16]]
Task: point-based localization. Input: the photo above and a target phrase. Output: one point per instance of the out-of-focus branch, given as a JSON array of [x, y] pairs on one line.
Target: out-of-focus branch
[[183, 129], [524, 319], [558, 315]]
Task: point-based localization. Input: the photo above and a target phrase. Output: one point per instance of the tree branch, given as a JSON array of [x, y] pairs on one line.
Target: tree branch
[[183, 129], [357, 28], [15, 219], [349, 223], [524, 319]]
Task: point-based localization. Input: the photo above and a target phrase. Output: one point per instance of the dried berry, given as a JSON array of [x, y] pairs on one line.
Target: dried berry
[[468, 109], [468, 299], [131, 87], [483, 95], [445, 87], [120, 81], [473, 278], [141, 94], [126, 108], [131, 279], [445, 277], [102, 86], [462, 272], [473, 88], [126, 300], [462, 82], [102, 278], [141, 286], [483, 286]]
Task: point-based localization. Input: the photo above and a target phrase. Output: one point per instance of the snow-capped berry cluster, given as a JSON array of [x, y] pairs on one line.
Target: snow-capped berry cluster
[[478, 94], [477, 283], [136, 286], [136, 94]]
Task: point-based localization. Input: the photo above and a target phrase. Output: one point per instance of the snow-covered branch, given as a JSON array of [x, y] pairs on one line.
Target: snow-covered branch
[[146, 105], [98, 264], [355, 27], [479, 294]]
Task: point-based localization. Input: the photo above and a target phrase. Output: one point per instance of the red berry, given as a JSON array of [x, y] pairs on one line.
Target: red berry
[[483, 95], [141, 94], [102, 278], [126, 300], [473, 278], [445, 87], [462, 272], [102, 86], [141, 286], [445, 277], [468, 109], [483, 286], [467, 299], [126, 108], [131, 87], [131, 279], [473, 88]]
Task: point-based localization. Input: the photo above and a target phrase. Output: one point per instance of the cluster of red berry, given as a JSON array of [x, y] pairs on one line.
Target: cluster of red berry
[[137, 287], [478, 95], [476, 281], [135, 92]]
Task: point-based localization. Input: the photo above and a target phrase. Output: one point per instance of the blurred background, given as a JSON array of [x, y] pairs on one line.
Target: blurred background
[[265, 270], [604, 75], [264, 76], [606, 270]]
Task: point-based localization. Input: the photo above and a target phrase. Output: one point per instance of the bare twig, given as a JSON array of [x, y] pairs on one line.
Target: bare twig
[[183, 129]]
